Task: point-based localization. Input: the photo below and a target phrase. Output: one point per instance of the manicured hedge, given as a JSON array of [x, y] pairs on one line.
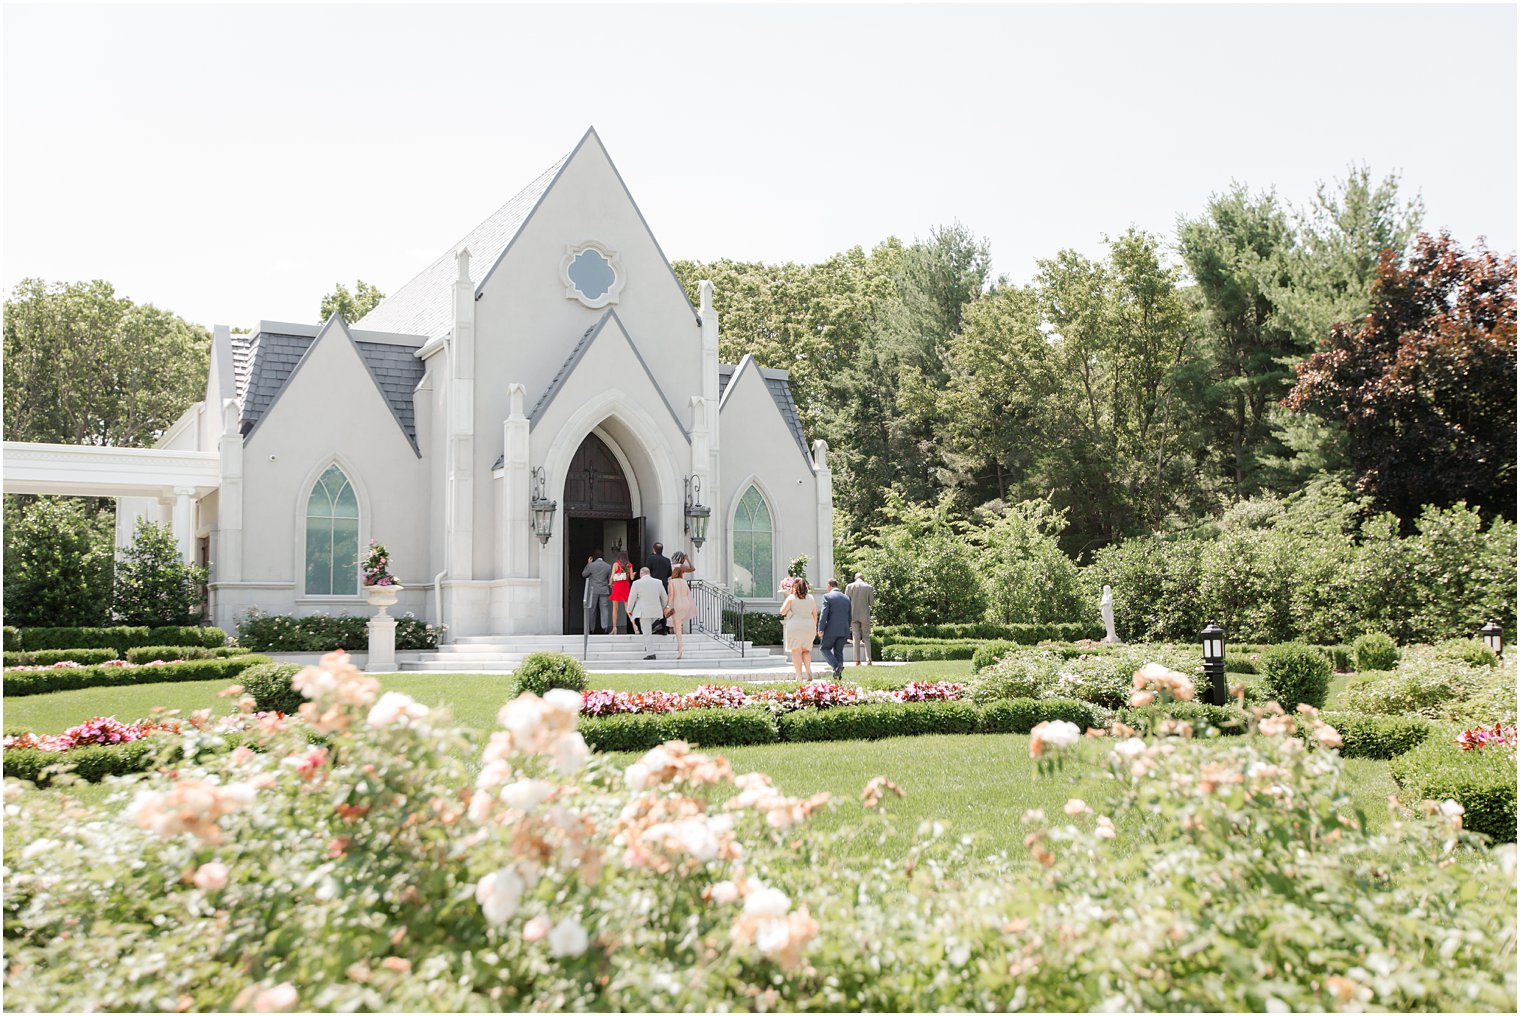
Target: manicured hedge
[[322, 633], [171, 654], [1365, 735], [48, 657], [1023, 634], [1021, 715], [760, 627], [120, 638], [1225, 719], [40, 682], [1240, 663], [708, 727], [92, 762], [269, 684], [879, 720], [907, 652], [1481, 781]]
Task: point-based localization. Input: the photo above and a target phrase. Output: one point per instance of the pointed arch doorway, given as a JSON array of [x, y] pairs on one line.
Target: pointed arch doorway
[[599, 512]]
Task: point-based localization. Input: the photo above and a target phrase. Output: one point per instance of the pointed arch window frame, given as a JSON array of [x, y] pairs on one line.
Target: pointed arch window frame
[[763, 587], [315, 483]]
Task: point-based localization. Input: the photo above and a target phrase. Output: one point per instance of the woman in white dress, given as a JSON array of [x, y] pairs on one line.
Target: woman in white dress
[[799, 627]]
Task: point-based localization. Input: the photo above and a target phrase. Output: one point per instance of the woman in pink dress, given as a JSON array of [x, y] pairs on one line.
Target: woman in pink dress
[[681, 607], [622, 579]]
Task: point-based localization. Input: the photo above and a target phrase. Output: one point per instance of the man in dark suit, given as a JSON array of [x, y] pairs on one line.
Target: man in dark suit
[[598, 576], [659, 568], [834, 627]]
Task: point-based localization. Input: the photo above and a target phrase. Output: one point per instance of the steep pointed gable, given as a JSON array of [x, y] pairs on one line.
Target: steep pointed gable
[[422, 306], [276, 357], [586, 341], [777, 384]]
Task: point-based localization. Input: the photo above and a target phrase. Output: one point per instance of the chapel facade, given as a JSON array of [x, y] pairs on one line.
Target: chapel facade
[[551, 355]]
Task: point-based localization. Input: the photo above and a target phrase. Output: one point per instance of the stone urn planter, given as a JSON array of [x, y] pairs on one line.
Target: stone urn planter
[[382, 597]]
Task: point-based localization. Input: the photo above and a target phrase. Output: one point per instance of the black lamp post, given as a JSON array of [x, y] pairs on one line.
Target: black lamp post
[[697, 513], [1213, 663], [1493, 637], [543, 508]]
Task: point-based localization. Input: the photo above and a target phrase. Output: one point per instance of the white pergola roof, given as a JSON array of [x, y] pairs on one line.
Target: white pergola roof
[[93, 471]]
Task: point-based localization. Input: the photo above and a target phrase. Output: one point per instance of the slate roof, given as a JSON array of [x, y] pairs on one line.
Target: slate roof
[[778, 383], [264, 361], [423, 306]]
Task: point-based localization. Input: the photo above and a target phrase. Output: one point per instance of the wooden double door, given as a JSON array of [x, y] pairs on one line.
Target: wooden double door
[[598, 514]]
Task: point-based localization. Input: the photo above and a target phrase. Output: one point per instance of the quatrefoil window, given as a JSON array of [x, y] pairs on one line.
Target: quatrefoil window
[[592, 274]]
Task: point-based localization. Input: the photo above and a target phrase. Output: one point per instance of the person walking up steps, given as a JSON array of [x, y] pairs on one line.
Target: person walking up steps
[[682, 606], [862, 594], [598, 576], [799, 627], [646, 603], [622, 578]]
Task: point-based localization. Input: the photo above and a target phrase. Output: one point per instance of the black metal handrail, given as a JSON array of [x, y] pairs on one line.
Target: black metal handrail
[[720, 614]]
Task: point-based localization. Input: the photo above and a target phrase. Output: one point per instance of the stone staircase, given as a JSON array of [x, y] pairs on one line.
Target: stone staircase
[[489, 654]]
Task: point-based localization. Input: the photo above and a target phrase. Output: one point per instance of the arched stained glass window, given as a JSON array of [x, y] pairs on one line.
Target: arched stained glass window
[[332, 536], [754, 541]]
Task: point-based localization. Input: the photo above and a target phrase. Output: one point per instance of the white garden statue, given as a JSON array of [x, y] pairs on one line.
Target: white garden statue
[[1106, 608]]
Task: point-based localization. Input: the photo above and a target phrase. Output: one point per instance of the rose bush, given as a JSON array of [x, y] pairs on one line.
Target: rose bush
[[402, 865]]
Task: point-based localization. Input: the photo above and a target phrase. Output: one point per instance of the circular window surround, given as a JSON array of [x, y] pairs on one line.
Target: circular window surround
[[573, 292]]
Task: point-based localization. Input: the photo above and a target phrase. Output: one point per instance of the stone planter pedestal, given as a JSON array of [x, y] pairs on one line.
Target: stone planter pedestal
[[382, 629]]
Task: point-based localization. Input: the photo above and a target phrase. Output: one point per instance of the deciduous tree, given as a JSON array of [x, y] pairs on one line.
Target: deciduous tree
[[351, 305]]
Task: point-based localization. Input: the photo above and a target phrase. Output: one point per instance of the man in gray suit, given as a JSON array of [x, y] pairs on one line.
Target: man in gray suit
[[862, 594], [598, 576], [834, 627], [646, 604]]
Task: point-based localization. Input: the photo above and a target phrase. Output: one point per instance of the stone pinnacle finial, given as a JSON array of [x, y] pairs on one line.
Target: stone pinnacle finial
[[705, 294], [463, 260]]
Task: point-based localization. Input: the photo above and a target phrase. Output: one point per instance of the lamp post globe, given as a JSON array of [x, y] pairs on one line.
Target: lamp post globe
[[1213, 663], [1493, 637]]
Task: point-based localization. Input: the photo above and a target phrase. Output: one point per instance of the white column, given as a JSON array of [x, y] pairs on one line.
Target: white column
[[515, 540], [715, 556], [382, 645], [184, 523], [229, 502], [461, 416], [825, 511]]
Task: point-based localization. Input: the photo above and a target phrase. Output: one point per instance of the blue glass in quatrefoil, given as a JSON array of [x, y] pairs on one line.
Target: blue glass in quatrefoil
[[592, 274]]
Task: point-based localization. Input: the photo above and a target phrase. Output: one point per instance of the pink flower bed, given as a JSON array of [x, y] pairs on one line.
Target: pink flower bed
[[69, 664], [109, 730], [820, 695], [1498, 736]]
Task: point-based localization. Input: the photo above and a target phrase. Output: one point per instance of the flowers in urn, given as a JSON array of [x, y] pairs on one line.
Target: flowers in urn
[[376, 572]]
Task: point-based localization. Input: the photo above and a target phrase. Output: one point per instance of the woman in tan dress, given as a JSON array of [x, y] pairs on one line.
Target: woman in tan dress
[[799, 627], [681, 606]]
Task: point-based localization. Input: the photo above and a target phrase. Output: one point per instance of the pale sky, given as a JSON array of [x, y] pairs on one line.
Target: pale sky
[[231, 163]]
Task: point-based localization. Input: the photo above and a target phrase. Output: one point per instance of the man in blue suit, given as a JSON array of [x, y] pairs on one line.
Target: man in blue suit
[[834, 627]]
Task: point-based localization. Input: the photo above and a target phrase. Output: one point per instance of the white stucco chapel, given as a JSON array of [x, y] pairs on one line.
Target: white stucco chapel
[[549, 355]]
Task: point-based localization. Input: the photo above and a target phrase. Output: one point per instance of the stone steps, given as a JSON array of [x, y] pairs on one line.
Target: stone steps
[[503, 653]]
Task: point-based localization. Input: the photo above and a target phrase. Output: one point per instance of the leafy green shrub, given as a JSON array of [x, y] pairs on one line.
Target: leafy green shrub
[[269, 684], [1471, 652], [149, 654], [923, 567], [47, 657], [40, 682], [1022, 634], [904, 652], [760, 627], [322, 633], [1017, 675], [710, 727], [538, 672], [92, 762], [119, 637], [879, 720], [1296, 673], [1371, 736], [1021, 715], [1224, 719], [989, 653], [58, 560], [1375, 651], [1481, 781], [1340, 658], [154, 585], [1240, 663], [1413, 688]]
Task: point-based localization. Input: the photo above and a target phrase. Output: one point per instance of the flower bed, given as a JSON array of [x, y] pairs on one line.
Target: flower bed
[[64, 678], [819, 695], [1479, 738]]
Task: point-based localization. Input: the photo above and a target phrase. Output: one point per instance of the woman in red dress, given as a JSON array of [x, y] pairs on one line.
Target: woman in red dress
[[622, 579]]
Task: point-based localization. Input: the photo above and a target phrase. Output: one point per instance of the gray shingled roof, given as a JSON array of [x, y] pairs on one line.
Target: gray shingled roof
[[242, 348], [778, 384], [269, 358], [423, 306]]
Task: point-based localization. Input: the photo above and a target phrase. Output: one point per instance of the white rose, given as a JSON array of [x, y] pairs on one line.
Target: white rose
[[567, 938], [724, 892], [772, 936], [636, 776], [570, 753], [1076, 806], [1129, 748], [395, 707], [1451, 809], [498, 894], [280, 998], [1059, 733], [210, 876], [767, 902], [523, 715], [564, 699], [525, 795]]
